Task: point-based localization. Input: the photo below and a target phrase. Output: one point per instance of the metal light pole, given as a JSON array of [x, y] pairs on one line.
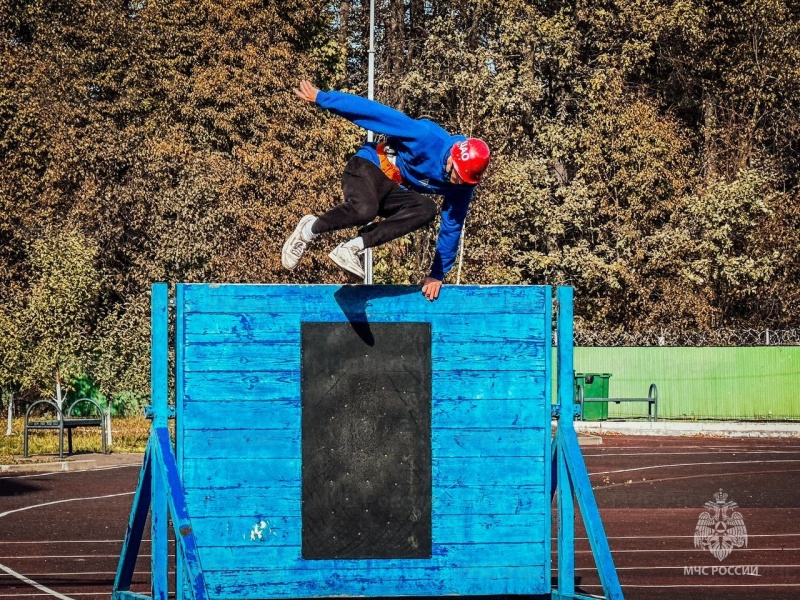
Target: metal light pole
[[370, 135]]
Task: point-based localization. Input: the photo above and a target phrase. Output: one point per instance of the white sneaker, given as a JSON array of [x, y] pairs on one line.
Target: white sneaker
[[295, 245], [349, 259]]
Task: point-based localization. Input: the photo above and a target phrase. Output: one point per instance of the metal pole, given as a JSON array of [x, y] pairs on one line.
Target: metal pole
[[371, 64], [461, 251], [370, 135]]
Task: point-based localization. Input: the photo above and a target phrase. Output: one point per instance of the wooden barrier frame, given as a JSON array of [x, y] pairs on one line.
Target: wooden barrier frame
[[162, 490]]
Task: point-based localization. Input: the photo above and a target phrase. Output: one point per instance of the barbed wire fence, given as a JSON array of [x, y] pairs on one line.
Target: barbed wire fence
[[665, 337]]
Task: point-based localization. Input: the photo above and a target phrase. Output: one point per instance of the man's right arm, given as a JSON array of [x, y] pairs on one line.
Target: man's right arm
[[371, 115]]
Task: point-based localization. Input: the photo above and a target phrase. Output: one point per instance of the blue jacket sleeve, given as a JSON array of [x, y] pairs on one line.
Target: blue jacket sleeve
[[454, 212], [372, 115]]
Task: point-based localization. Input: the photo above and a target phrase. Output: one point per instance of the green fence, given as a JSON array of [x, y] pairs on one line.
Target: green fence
[[759, 383]]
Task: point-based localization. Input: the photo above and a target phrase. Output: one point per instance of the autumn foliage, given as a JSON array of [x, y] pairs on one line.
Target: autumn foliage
[[646, 153]]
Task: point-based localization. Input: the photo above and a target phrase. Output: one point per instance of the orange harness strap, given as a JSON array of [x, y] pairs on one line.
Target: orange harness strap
[[389, 169]]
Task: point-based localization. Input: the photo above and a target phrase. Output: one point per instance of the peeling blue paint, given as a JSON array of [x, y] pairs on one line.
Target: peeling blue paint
[[234, 489]]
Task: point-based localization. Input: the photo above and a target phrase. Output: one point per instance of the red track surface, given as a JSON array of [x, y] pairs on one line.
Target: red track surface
[[61, 533]]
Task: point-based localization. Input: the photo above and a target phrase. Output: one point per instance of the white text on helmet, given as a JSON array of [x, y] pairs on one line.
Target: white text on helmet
[[462, 146]]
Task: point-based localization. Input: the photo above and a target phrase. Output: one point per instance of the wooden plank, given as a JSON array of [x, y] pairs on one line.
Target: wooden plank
[[278, 502], [182, 582], [285, 442], [547, 407], [566, 507], [286, 502], [579, 478], [265, 385], [361, 300], [282, 583], [235, 387], [445, 557], [488, 443], [159, 539], [159, 389], [136, 524], [185, 541], [159, 348], [447, 413], [447, 472], [266, 474], [240, 327], [256, 530], [566, 525], [456, 355], [159, 367]]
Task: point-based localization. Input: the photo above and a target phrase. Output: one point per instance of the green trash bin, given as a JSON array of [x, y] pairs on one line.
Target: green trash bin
[[595, 385]]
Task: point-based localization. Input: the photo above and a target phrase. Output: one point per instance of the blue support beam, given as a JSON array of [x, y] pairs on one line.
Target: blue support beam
[[566, 526], [579, 479], [182, 584], [572, 476], [566, 506], [566, 370], [550, 481], [185, 541], [136, 525], [159, 468], [159, 368], [159, 490]]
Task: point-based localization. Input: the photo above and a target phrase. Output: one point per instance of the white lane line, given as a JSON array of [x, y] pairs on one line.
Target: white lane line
[[665, 550], [82, 573], [93, 541], [31, 582], [78, 595], [16, 510], [683, 537], [734, 443], [697, 464], [75, 471], [682, 447], [696, 585], [68, 556], [681, 567], [637, 454]]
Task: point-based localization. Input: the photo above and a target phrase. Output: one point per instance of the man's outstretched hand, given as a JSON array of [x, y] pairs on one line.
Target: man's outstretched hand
[[431, 287], [307, 91]]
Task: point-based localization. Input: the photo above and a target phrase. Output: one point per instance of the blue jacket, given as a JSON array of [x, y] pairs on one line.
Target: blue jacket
[[422, 149]]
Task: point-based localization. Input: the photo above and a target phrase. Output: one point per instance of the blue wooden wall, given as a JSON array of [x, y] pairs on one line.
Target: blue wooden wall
[[238, 400]]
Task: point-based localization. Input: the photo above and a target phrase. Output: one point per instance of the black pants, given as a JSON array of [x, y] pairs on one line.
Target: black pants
[[368, 193]]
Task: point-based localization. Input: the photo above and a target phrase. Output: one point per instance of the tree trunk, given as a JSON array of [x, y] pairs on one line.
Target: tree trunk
[[395, 54], [344, 26], [710, 169]]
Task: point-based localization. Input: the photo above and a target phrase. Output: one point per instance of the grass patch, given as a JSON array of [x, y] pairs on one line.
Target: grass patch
[[127, 435]]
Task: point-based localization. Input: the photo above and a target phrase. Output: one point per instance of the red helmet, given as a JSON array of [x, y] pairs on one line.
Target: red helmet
[[470, 159]]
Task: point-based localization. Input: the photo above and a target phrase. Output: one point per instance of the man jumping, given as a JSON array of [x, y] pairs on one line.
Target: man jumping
[[388, 180]]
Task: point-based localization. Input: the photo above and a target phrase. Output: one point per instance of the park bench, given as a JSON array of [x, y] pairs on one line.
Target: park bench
[[651, 399], [64, 419]]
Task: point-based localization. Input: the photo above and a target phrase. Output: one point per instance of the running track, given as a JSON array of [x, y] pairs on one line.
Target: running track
[[61, 533]]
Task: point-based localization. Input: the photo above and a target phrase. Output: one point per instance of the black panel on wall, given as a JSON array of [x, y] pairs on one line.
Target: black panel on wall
[[366, 439]]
